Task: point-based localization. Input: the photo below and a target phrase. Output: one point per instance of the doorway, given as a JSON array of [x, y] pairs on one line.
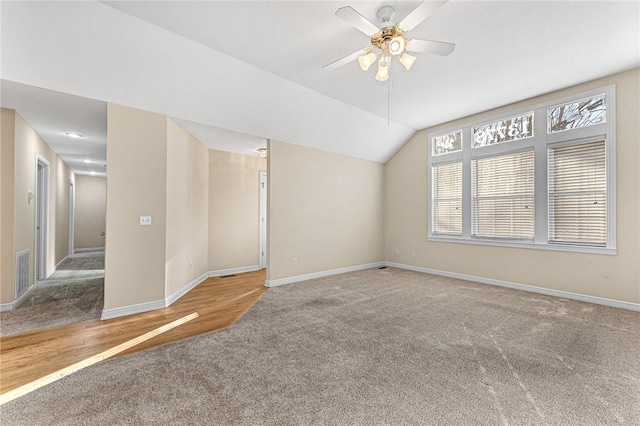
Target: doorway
[[263, 219], [41, 217], [72, 204]]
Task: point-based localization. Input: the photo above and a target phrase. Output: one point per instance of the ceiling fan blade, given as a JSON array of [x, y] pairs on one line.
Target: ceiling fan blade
[[342, 61], [349, 15], [429, 46], [419, 14]]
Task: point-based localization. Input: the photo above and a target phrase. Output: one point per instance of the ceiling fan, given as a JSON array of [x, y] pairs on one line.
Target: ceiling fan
[[389, 40]]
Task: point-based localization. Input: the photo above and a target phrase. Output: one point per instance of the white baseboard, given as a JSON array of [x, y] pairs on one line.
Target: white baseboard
[[159, 304], [298, 278], [55, 268], [81, 250], [549, 292], [185, 289], [10, 306], [132, 309], [25, 294], [240, 270]]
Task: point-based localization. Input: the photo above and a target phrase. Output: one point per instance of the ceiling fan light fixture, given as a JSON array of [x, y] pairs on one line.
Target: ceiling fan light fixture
[[367, 60], [383, 69], [407, 60], [396, 45]]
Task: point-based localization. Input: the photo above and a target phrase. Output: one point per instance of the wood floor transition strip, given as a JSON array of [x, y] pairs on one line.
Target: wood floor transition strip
[[29, 357], [50, 378]]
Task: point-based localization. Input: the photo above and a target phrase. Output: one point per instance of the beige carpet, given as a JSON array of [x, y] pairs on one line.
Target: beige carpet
[[73, 293], [367, 348]]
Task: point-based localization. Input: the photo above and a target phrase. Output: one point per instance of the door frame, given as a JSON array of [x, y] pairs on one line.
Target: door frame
[[41, 217], [72, 206], [262, 219]]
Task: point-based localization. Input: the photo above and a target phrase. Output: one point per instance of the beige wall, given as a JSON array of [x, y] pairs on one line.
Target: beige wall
[[90, 211], [28, 144], [64, 174], [233, 209], [187, 206], [614, 277], [325, 210], [7, 143], [136, 184], [25, 145]]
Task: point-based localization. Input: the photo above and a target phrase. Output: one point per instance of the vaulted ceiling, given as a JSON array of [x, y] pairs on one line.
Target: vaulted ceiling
[[253, 70]]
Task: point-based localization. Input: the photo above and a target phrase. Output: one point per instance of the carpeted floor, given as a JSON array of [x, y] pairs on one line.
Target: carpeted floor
[[366, 348], [73, 293]]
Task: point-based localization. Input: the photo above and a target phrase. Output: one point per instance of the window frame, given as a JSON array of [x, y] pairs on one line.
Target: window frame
[[540, 142]]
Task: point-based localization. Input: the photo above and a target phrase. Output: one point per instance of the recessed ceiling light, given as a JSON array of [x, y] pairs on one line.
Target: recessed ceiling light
[[86, 160], [74, 135], [92, 173]]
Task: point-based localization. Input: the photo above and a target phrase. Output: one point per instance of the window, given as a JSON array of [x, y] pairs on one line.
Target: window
[[578, 194], [585, 112], [543, 177], [502, 196], [447, 199], [450, 142], [506, 130]]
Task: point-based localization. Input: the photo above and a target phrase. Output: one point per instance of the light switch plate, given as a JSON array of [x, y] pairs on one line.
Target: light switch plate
[[145, 220]]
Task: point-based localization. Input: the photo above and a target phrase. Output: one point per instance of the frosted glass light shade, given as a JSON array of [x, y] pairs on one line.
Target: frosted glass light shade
[[407, 60], [383, 69], [367, 60]]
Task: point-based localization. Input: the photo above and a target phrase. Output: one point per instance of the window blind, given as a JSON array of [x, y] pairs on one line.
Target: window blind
[[578, 194], [447, 199], [502, 196]]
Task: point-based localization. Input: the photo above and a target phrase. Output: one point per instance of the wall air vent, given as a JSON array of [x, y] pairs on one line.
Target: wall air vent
[[22, 273]]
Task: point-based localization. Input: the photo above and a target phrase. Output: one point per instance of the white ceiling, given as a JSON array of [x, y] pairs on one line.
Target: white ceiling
[[254, 68], [52, 114]]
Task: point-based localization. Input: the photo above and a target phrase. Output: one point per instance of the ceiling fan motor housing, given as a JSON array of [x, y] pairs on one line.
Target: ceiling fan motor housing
[[381, 40]]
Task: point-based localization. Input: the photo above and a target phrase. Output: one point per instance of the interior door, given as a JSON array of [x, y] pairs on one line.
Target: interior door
[[263, 219], [41, 214]]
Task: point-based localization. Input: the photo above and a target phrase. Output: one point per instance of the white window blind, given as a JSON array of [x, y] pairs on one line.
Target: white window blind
[[578, 194], [447, 199], [502, 196]]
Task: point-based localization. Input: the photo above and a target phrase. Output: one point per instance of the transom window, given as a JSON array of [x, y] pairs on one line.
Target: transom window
[[450, 142], [539, 178], [506, 130]]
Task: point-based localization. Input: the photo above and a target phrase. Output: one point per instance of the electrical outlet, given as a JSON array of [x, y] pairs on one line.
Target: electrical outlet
[[145, 220], [397, 251], [294, 261]]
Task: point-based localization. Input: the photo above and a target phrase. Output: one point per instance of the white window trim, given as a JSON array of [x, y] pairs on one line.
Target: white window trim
[[540, 142]]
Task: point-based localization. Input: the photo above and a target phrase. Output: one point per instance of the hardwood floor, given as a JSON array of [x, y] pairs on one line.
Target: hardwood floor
[[34, 356]]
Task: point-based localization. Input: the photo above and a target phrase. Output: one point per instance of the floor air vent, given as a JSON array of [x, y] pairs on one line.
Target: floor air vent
[[228, 276], [382, 267], [22, 272]]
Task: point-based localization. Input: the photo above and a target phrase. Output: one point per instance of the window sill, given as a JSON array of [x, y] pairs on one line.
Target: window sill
[[524, 245]]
